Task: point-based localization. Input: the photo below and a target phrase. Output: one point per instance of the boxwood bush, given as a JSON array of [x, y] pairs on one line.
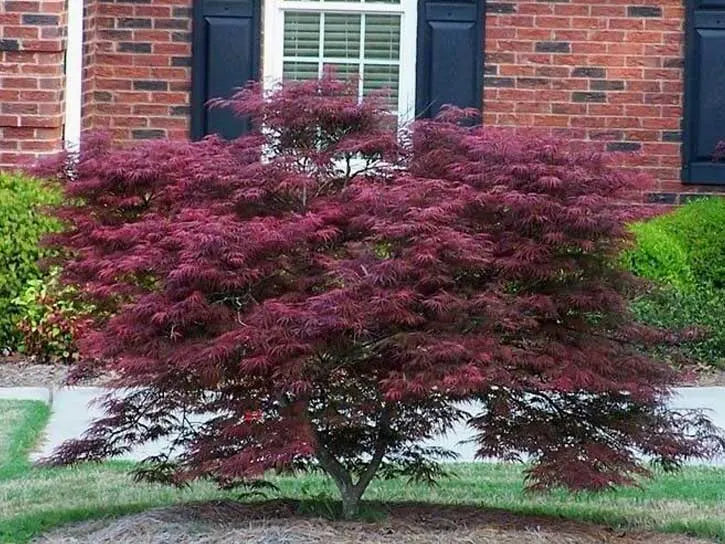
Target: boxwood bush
[[22, 224], [660, 256], [684, 252], [684, 248]]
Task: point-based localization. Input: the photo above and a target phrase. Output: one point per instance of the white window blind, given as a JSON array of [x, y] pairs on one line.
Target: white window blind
[[358, 39]]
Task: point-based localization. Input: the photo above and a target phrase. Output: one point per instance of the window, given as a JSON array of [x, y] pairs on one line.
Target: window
[[427, 52], [373, 40]]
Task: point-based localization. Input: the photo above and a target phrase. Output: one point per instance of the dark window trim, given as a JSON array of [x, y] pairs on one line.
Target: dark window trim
[[690, 75], [423, 101], [199, 45], [698, 173]]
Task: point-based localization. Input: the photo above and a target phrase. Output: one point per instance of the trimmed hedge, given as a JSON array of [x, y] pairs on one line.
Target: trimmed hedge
[[22, 224], [685, 248], [684, 252], [660, 256]]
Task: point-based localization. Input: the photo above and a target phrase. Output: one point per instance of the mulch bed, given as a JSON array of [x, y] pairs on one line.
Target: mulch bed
[[279, 522], [17, 371], [710, 379]]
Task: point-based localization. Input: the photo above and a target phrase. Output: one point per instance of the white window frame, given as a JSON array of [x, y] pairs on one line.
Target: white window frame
[[273, 31], [73, 76]]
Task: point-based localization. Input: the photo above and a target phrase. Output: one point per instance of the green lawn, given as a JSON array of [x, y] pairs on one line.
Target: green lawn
[[34, 500]]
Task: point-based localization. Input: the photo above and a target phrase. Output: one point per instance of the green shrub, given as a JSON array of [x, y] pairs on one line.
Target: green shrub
[[51, 319], [660, 256], [684, 252], [684, 248], [22, 224], [702, 308], [700, 226]]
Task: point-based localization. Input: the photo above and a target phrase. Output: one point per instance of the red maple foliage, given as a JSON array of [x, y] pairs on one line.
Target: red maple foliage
[[327, 293]]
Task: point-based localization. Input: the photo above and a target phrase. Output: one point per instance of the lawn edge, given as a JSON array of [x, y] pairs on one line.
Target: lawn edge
[[24, 436]]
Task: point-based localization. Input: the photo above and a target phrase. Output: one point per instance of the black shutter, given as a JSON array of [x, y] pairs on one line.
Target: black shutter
[[225, 55], [450, 55], [704, 124]]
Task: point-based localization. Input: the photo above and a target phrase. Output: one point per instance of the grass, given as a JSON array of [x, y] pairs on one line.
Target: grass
[[33, 500], [20, 425]]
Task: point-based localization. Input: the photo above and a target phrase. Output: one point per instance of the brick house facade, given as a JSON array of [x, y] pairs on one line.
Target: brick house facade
[[32, 78], [603, 73]]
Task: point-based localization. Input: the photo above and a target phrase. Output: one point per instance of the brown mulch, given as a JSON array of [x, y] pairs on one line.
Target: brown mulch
[[17, 371], [710, 378], [22, 372], [279, 522]]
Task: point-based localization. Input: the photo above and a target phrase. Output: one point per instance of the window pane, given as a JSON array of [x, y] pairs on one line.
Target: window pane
[[342, 35], [373, 57], [299, 70], [344, 71], [301, 34], [382, 76], [382, 37]]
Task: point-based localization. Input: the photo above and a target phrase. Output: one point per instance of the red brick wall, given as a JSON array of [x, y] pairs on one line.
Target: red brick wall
[[90, 12], [32, 46], [608, 73], [137, 85], [604, 73]]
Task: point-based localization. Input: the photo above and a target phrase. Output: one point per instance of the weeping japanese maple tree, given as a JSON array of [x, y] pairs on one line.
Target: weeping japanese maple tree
[[329, 294]]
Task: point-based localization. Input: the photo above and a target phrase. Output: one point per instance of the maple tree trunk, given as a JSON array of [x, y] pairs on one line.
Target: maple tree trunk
[[350, 501], [351, 492]]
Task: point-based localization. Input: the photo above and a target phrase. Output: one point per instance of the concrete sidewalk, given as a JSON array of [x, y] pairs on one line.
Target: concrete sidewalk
[[73, 410], [42, 394]]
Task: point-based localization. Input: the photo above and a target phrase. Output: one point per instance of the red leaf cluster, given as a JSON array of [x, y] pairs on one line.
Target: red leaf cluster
[[327, 292]]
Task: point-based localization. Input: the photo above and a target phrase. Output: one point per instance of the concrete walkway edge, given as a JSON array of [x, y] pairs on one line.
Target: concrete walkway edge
[[43, 394], [72, 411]]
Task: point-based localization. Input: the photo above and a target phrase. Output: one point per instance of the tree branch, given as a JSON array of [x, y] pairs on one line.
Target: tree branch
[[381, 446], [327, 461]]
